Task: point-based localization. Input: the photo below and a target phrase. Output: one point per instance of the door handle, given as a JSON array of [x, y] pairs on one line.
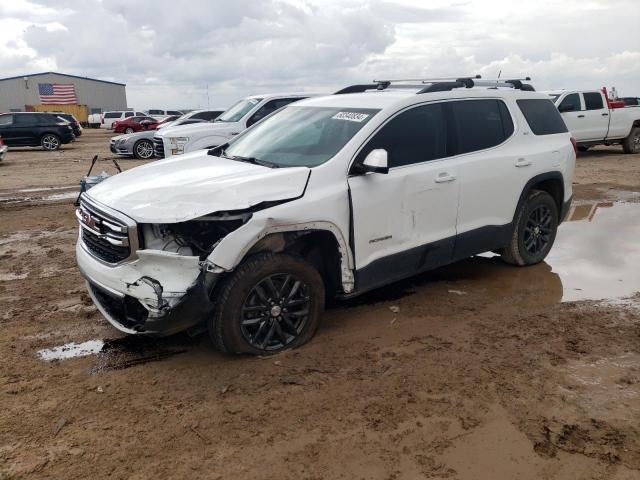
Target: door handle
[[523, 162], [605, 114], [235, 133], [444, 177], [580, 116]]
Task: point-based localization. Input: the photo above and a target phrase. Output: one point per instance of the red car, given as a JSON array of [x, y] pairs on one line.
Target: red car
[[135, 124]]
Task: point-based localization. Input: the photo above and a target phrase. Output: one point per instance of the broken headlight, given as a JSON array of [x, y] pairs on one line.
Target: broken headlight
[[197, 237]]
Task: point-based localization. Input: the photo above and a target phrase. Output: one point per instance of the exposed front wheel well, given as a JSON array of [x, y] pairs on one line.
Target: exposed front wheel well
[[318, 247]]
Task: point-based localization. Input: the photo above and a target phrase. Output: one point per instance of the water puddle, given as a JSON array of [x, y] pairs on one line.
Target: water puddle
[[597, 251]]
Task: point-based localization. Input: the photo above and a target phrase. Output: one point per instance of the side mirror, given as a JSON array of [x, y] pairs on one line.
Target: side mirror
[[567, 107], [377, 161]]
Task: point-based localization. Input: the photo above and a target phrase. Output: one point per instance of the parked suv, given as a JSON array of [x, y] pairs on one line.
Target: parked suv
[[330, 196], [108, 118], [31, 129], [172, 141]]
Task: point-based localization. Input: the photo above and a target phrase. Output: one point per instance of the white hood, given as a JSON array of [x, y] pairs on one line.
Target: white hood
[[196, 184], [221, 128]]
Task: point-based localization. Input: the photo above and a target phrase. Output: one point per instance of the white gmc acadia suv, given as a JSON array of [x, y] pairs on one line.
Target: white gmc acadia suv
[[333, 195]]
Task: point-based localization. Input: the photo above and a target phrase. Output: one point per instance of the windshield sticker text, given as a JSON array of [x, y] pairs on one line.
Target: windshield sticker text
[[350, 116]]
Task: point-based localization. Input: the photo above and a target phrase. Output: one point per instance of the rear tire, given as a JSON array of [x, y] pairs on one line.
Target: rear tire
[[534, 232], [128, 130], [143, 150], [631, 144], [272, 302], [50, 142]]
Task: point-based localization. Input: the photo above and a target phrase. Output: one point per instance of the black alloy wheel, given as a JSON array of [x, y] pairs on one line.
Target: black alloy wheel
[[275, 312], [538, 229]]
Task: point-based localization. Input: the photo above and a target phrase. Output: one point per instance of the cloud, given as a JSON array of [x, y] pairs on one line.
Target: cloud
[[168, 53]]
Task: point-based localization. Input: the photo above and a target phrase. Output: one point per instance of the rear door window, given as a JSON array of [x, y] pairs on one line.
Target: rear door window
[[113, 115], [542, 116], [481, 124], [128, 114], [25, 119], [593, 101], [6, 119]]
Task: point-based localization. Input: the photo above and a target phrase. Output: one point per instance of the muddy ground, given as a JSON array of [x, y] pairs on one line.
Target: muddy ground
[[475, 371]]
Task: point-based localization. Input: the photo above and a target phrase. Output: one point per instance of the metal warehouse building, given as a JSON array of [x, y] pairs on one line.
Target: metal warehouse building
[[23, 93]]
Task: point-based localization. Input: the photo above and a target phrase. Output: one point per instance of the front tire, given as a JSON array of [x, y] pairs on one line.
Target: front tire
[[128, 130], [272, 302], [143, 150], [631, 144], [50, 142], [534, 232]]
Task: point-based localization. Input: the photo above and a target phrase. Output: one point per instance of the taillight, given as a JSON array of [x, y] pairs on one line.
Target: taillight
[[575, 145]]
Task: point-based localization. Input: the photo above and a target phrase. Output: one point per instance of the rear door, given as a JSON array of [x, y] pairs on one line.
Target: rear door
[[596, 116], [26, 131], [492, 170], [404, 222]]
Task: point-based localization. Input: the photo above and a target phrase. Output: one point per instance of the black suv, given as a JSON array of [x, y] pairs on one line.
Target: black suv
[[35, 129]]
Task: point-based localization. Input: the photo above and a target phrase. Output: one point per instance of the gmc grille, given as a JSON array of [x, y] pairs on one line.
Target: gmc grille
[[158, 147], [105, 236]]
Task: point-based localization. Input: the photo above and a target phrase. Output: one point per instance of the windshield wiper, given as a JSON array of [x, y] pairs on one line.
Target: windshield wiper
[[255, 161]]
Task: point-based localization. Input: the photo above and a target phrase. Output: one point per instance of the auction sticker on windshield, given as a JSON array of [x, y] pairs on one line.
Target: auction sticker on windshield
[[350, 116]]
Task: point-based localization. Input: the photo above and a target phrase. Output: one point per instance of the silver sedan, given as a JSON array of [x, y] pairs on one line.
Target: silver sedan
[[139, 144]]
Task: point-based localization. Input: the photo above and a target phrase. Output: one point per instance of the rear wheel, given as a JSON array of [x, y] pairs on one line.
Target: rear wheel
[[631, 144], [535, 230], [50, 142], [272, 302], [143, 150], [128, 130]]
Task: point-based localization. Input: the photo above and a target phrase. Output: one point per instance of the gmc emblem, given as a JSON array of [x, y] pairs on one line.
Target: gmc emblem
[[88, 220]]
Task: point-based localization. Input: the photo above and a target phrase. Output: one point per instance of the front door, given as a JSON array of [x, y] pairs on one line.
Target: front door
[[574, 116], [404, 222]]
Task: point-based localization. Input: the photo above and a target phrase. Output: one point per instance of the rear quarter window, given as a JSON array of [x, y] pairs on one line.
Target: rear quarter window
[[542, 116]]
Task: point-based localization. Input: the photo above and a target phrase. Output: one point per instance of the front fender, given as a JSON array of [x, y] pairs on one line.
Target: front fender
[[234, 247]]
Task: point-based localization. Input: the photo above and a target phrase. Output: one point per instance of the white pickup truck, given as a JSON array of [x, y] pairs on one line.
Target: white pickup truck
[[594, 119], [177, 140]]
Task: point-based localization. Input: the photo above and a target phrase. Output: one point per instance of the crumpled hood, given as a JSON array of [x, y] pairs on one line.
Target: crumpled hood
[[198, 128], [196, 184]]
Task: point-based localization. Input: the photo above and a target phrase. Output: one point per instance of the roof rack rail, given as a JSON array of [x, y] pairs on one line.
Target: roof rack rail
[[475, 82], [440, 84]]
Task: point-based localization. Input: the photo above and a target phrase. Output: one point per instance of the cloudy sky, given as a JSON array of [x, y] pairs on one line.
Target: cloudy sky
[[170, 53]]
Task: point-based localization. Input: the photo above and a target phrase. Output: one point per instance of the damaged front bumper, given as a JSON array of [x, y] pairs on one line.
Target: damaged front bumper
[[157, 294]]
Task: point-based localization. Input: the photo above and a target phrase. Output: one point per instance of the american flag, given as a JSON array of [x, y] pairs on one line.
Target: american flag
[[57, 93]]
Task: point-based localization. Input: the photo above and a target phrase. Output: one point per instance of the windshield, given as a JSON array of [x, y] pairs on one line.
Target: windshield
[[239, 110], [300, 136]]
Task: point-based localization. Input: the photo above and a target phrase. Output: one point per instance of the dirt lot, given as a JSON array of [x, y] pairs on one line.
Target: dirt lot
[[475, 371]]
